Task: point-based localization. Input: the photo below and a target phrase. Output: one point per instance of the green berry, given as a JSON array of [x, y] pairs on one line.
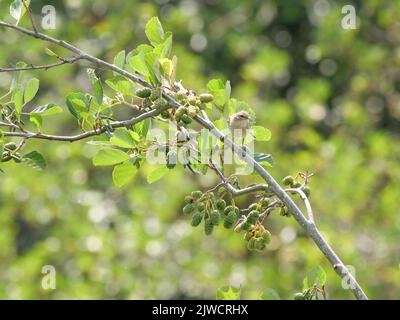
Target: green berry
[[196, 219], [189, 208], [228, 209], [165, 114], [189, 199], [186, 119], [266, 235], [191, 111], [201, 206], [259, 244], [161, 103], [208, 226], [251, 244], [246, 225], [296, 184], [143, 92], [307, 191], [248, 236], [299, 296], [172, 158], [192, 101], [288, 181], [196, 194], [10, 146], [221, 204], [155, 94], [253, 206], [264, 202], [215, 216], [230, 220], [181, 95], [206, 97], [6, 156], [180, 112], [253, 217]]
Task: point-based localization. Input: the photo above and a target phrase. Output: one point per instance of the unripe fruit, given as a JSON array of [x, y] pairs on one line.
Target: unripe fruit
[[208, 227], [186, 119], [189, 199], [179, 112], [202, 106], [307, 191], [246, 226], [165, 115], [189, 208], [248, 236], [206, 97], [181, 95], [259, 244], [201, 206], [143, 92], [221, 204], [251, 244], [299, 296], [172, 158], [265, 202], [196, 194], [147, 103], [266, 235], [288, 181], [253, 206], [221, 191], [161, 103], [6, 156], [296, 184], [230, 220], [253, 217], [191, 111], [228, 209], [155, 94], [215, 217], [284, 211], [192, 101], [10, 146], [196, 219]]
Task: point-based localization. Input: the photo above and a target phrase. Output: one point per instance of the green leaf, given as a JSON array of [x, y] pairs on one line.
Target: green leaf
[[123, 173], [35, 160], [47, 110], [18, 98], [316, 276], [119, 59], [17, 9], [51, 53], [77, 103], [31, 89], [124, 138], [109, 157], [269, 294], [120, 84], [215, 84], [96, 85], [157, 174], [228, 293], [220, 91], [154, 31], [142, 127], [264, 159], [163, 50], [167, 67], [261, 133], [36, 119], [153, 66], [138, 63]]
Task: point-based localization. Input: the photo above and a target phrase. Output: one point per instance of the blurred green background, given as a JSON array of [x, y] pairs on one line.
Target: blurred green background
[[330, 96]]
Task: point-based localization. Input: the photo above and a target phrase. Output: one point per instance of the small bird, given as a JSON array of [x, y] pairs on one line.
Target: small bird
[[239, 121]]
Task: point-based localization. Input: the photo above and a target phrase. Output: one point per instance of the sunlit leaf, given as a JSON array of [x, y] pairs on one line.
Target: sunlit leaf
[[154, 31], [123, 173], [269, 294], [157, 174], [109, 157], [34, 159]]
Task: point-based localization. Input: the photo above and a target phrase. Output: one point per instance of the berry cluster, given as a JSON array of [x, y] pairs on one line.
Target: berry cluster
[[10, 153], [212, 209]]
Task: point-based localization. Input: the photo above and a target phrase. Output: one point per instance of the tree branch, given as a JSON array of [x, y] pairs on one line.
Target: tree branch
[[44, 67], [273, 186]]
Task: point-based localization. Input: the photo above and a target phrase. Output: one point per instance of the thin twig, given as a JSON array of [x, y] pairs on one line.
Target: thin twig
[[305, 200], [44, 67]]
